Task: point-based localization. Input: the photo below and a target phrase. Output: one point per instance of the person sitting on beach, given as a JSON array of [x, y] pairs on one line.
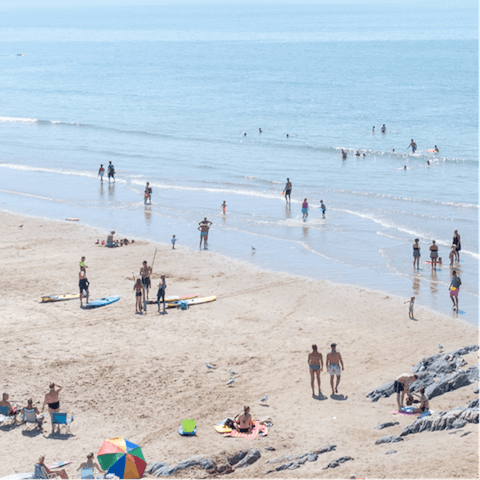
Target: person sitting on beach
[[50, 473], [424, 402], [433, 254], [401, 385], [12, 411], [139, 292], [162, 288], [83, 284], [243, 422], [30, 408], [110, 241], [90, 463], [51, 399], [315, 364]]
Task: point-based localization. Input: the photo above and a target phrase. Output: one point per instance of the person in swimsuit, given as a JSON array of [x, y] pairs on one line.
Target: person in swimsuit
[[452, 254], [424, 402], [315, 365], [458, 246], [203, 235], [90, 463], [148, 194], [358, 153], [455, 289], [416, 253], [410, 307], [30, 408], [243, 423], [323, 207], [224, 206], [50, 473], [344, 153], [51, 399], [334, 360], [101, 172], [373, 129], [5, 403], [384, 128], [435, 150], [162, 287], [413, 145], [111, 172], [139, 293], [288, 191], [174, 239], [83, 284], [433, 254], [208, 223], [401, 385], [145, 272], [305, 209]]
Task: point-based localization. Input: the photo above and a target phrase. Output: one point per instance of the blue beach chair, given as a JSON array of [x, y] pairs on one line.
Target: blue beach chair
[[61, 421], [12, 418]]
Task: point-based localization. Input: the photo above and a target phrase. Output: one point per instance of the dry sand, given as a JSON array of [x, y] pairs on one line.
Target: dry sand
[[139, 376]]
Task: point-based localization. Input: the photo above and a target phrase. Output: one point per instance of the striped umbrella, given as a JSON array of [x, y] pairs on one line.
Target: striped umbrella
[[122, 458]]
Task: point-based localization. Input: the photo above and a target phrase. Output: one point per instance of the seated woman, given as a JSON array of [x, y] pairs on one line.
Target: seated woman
[[110, 241], [243, 422], [30, 409], [41, 463], [90, 463], [424, 402]]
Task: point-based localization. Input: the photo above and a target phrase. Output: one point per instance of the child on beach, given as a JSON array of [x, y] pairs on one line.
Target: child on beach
[[453, 252], [173, 242], [305, 209], [138, 287], [323, 207], [410, 307], [162, 287], [101, 172], [224, 206]]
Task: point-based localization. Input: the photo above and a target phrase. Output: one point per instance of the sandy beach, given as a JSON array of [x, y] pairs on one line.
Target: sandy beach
[[138, 376]]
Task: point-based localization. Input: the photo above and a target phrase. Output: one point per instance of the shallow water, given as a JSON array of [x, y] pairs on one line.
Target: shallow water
[[167, 93]]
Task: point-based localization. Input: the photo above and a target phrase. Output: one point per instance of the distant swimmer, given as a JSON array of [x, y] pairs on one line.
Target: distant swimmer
[[435, 150], [384, 128], [393, 150], [288, 191], [260, 130], [373, 129], [288, 135], [358, 153], [305, 209], [344, 154], [148, 194], [224, 206], [404, 167], [413, 145], [363, 155], [111, 172], [323, 207], [244, 134], [101, 172], [428, 162]]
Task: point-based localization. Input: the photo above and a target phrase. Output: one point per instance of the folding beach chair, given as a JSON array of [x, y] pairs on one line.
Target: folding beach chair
[[61, 420], [31, 421], [12, 418], [40, 472], [87, 473]]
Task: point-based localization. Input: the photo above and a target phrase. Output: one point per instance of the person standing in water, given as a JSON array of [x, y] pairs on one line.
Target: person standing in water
[[344, 153], [413, 145], [435, 150], [323, 207], [455, 289], [101, 172], [433, 254], [334, 360], [416, 253], [315, 366], [111, 172], [203, 227], [288, 191], [148, 194], [305, 209], [373, 129], [384, 128], [224, 206], [458, 245]]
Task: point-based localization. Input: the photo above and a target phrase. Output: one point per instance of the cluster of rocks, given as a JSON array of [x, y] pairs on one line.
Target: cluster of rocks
[[438, 373], [336, 463], [241, 459], [386, 425], [388, 439]]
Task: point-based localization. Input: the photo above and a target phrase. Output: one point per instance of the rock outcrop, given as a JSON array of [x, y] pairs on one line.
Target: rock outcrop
[[336, 463], [389, 439], [386, 425], [293, 462]]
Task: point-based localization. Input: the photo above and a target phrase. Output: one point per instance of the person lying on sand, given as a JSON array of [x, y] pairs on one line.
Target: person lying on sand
[[90, 463], [50, 473], [243, 422]]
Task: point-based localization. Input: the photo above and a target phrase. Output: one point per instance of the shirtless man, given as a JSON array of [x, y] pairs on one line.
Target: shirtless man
[[83, 284], [205, 239], [5, 403], [288, 191], [315, 364], [334, 360], [51, 399], [402, 386], [145, 273], [243, 423], [203, 234], [413, 145]]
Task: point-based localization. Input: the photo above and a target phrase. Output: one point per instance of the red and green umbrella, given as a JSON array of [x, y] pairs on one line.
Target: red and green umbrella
[[122, 458]]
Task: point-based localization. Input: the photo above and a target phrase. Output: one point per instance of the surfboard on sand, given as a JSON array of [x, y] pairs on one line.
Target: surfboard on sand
[[193, 301], [59, 298], [175, 298], [103, 301]]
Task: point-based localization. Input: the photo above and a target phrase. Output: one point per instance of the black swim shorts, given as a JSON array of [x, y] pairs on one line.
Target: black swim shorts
[[146, 282], [83, 285], [398, 387]]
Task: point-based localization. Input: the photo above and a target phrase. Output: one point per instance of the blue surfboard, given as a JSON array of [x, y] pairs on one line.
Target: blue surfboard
[[103, 301], [187, 434]]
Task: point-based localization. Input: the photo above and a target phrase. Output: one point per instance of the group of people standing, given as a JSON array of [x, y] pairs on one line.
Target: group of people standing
[[333, 363], [142, 289], [110, 172], [287, 191]]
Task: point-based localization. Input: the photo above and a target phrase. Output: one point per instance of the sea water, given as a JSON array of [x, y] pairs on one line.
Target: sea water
[[175, 95]]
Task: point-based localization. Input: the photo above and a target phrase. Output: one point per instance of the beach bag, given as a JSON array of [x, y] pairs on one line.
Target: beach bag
[[183, 305]]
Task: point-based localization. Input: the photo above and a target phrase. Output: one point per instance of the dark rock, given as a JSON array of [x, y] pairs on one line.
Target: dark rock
[[388, 439], [424, 380], [465, 350], [234, 459], [253, 454], [459, 423], [153, 467], [447, 384], [386, 425], [276, 460], [337, 462], [270, 449], [383, 391], [390, 451], [476, 390], [325, 449], [473, 404], [472, 373], [312, 457], [466, 433], [196, 460], [285, 466]]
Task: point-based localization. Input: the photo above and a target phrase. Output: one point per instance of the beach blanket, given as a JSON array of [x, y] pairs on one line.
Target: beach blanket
[[257, 431], [409, 413]]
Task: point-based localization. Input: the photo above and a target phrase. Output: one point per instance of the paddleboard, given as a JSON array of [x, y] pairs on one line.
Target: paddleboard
[[193, 301], [175, 298], [72, 219], [59, 298], [103, 301]]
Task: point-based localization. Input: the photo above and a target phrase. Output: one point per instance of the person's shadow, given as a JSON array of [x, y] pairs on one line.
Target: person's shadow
[[336, 396], [320, 397]]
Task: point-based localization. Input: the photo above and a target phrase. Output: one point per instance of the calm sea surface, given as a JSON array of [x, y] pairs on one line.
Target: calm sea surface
[[167, 94]]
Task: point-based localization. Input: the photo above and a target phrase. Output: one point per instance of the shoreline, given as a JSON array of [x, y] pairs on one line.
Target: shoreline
[[139, 376]]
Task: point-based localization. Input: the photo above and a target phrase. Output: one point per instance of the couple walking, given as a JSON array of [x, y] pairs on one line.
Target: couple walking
[[333, 363]]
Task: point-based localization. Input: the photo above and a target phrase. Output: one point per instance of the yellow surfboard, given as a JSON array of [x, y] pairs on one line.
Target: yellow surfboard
[[59, 298], [193, 301], [222, 429]]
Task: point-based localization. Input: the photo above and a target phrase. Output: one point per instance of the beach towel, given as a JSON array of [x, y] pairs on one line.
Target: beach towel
[[257, 431], [409, 413]]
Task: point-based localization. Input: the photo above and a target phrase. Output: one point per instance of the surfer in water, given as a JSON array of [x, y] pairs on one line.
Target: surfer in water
[[413, 145], [288, 191]]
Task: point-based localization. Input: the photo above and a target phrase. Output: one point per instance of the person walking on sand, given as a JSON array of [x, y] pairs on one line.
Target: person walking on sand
[[433, 254], [162, 288], [148, 194], [323, 207], [334, 360], [315, 366], [458, 245], [413, 145], [101, 172], [145, 272], [455, 289], [401, 385], [111, 172], [83, 284], [53, 402], [224, 206], [288, 191], [305, 209], [139, 293], [416, 254], [410, 307]]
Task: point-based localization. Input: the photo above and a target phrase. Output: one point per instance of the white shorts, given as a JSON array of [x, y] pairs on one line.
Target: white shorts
[[334, 369]]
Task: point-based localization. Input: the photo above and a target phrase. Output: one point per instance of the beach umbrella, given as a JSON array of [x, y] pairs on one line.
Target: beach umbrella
[[122, 458]]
